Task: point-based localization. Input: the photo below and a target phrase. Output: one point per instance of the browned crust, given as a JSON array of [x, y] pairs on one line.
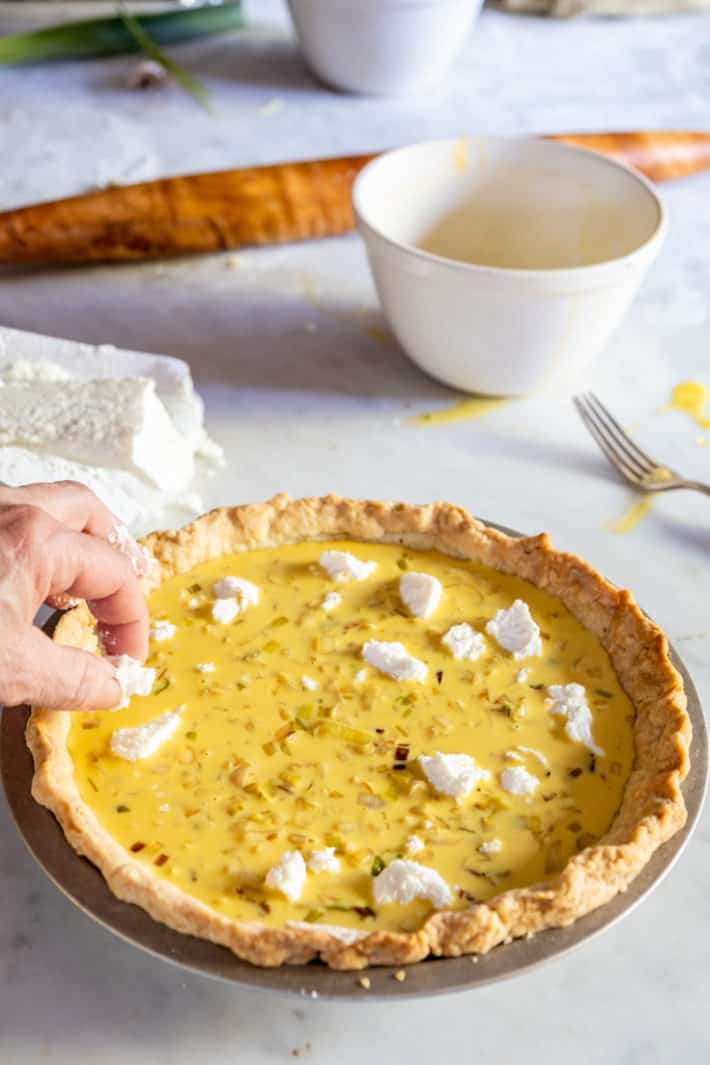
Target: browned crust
[[652, 809]]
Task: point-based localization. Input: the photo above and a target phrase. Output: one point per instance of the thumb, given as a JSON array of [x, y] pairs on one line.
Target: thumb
[[56, 677]]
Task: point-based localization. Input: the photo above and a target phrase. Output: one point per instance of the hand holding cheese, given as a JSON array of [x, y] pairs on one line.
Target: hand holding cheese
[[58, 541]]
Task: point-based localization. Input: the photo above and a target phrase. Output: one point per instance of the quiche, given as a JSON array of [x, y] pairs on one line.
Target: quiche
[[371, 732]]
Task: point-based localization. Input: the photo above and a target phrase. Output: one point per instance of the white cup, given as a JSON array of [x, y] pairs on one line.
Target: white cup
[[557, 240], [382, 47]]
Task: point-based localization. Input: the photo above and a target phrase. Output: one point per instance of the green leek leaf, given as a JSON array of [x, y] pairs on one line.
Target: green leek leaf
[[188, 82], [113, 36]]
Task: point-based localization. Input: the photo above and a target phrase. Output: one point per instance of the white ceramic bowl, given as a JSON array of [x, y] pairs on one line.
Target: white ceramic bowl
[[559, 240], [382, 47]]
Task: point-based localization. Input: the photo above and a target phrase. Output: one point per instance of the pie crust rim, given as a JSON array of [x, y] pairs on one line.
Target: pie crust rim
[[652, 808]]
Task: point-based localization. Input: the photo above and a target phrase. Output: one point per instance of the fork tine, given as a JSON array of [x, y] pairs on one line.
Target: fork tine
[[603, 430], [617, 461], [620, 436]]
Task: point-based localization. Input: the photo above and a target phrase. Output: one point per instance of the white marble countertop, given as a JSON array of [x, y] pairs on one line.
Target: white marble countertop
[[307, 400]]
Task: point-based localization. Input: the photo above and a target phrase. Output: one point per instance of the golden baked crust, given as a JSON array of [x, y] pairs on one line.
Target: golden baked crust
[[652, 809]]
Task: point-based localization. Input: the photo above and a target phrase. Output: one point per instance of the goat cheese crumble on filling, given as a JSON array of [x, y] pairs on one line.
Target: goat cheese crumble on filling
[[491, 846], [288, 876], [403, 881], [244, 592], [331, 600], [225, 610], [515, 630], [414, 845], [421, 593], [309, 683], [452, 774], [162, 630], [393, 659], [342, 566], [570, 701], [517, 781], [324, 861], [464, 642], [205, 667], [144, 740], [133, 678]]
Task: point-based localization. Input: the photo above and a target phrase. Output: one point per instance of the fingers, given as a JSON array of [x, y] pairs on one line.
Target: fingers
[[42, 673], [68, 502], [43, 559], [86, 567]]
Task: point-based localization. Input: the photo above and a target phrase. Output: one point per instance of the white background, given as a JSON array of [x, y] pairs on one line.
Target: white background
[[314, 411]]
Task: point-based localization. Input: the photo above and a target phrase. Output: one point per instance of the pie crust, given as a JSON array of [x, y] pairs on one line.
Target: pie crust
[[652, 808]]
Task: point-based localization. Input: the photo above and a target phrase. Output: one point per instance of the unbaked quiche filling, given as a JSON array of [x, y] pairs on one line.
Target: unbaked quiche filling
[[302, 737]]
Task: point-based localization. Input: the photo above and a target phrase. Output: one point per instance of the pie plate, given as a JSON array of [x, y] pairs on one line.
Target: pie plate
[[85, 886]]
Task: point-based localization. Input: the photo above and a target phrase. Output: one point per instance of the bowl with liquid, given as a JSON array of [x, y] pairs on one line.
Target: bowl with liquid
[[501, 263]]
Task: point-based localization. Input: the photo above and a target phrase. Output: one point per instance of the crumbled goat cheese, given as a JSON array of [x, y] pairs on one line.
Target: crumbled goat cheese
[[360, 676], [570, 701], [523, 674], [205, 667], [464, 642], [162, 630], [518, 781], [452, 774], [28, 370], [309, 684], [133, 678], [288, 875], [415, 844], [193, 602], [324, 861], [490, 846], [142, 562], [515, 630], [394, 660], [246, 593], [331, 600], [402, 881], [421, 593], [342, 566], [144, 740], [534, 754], [225, 610]]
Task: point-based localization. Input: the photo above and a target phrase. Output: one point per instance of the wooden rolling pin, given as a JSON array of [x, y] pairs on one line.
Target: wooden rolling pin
[[257, 206]]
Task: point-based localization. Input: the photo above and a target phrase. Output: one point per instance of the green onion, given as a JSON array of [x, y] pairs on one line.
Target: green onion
[[111, 36]]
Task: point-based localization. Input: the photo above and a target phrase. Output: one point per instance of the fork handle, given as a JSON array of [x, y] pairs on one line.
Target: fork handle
[[697, 486]]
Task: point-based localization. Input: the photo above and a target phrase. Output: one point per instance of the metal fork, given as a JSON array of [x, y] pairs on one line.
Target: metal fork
[[634, 465]]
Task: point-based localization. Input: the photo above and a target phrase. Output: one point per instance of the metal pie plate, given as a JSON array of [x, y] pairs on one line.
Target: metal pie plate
[[85, 886]]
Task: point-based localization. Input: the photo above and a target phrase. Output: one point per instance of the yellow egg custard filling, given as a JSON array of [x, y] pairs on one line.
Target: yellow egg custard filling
[[291, 739]]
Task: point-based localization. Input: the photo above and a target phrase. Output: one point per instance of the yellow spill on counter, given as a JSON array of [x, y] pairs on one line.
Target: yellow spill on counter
[[382, 336], [691, 397], [630, 519], [461, 156], [465, 409]]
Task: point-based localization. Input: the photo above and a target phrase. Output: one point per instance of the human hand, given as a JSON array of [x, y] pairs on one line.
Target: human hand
[[58, 542]]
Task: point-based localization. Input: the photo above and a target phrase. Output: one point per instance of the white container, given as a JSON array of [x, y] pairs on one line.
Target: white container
[[559, 237], [382, 47]]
